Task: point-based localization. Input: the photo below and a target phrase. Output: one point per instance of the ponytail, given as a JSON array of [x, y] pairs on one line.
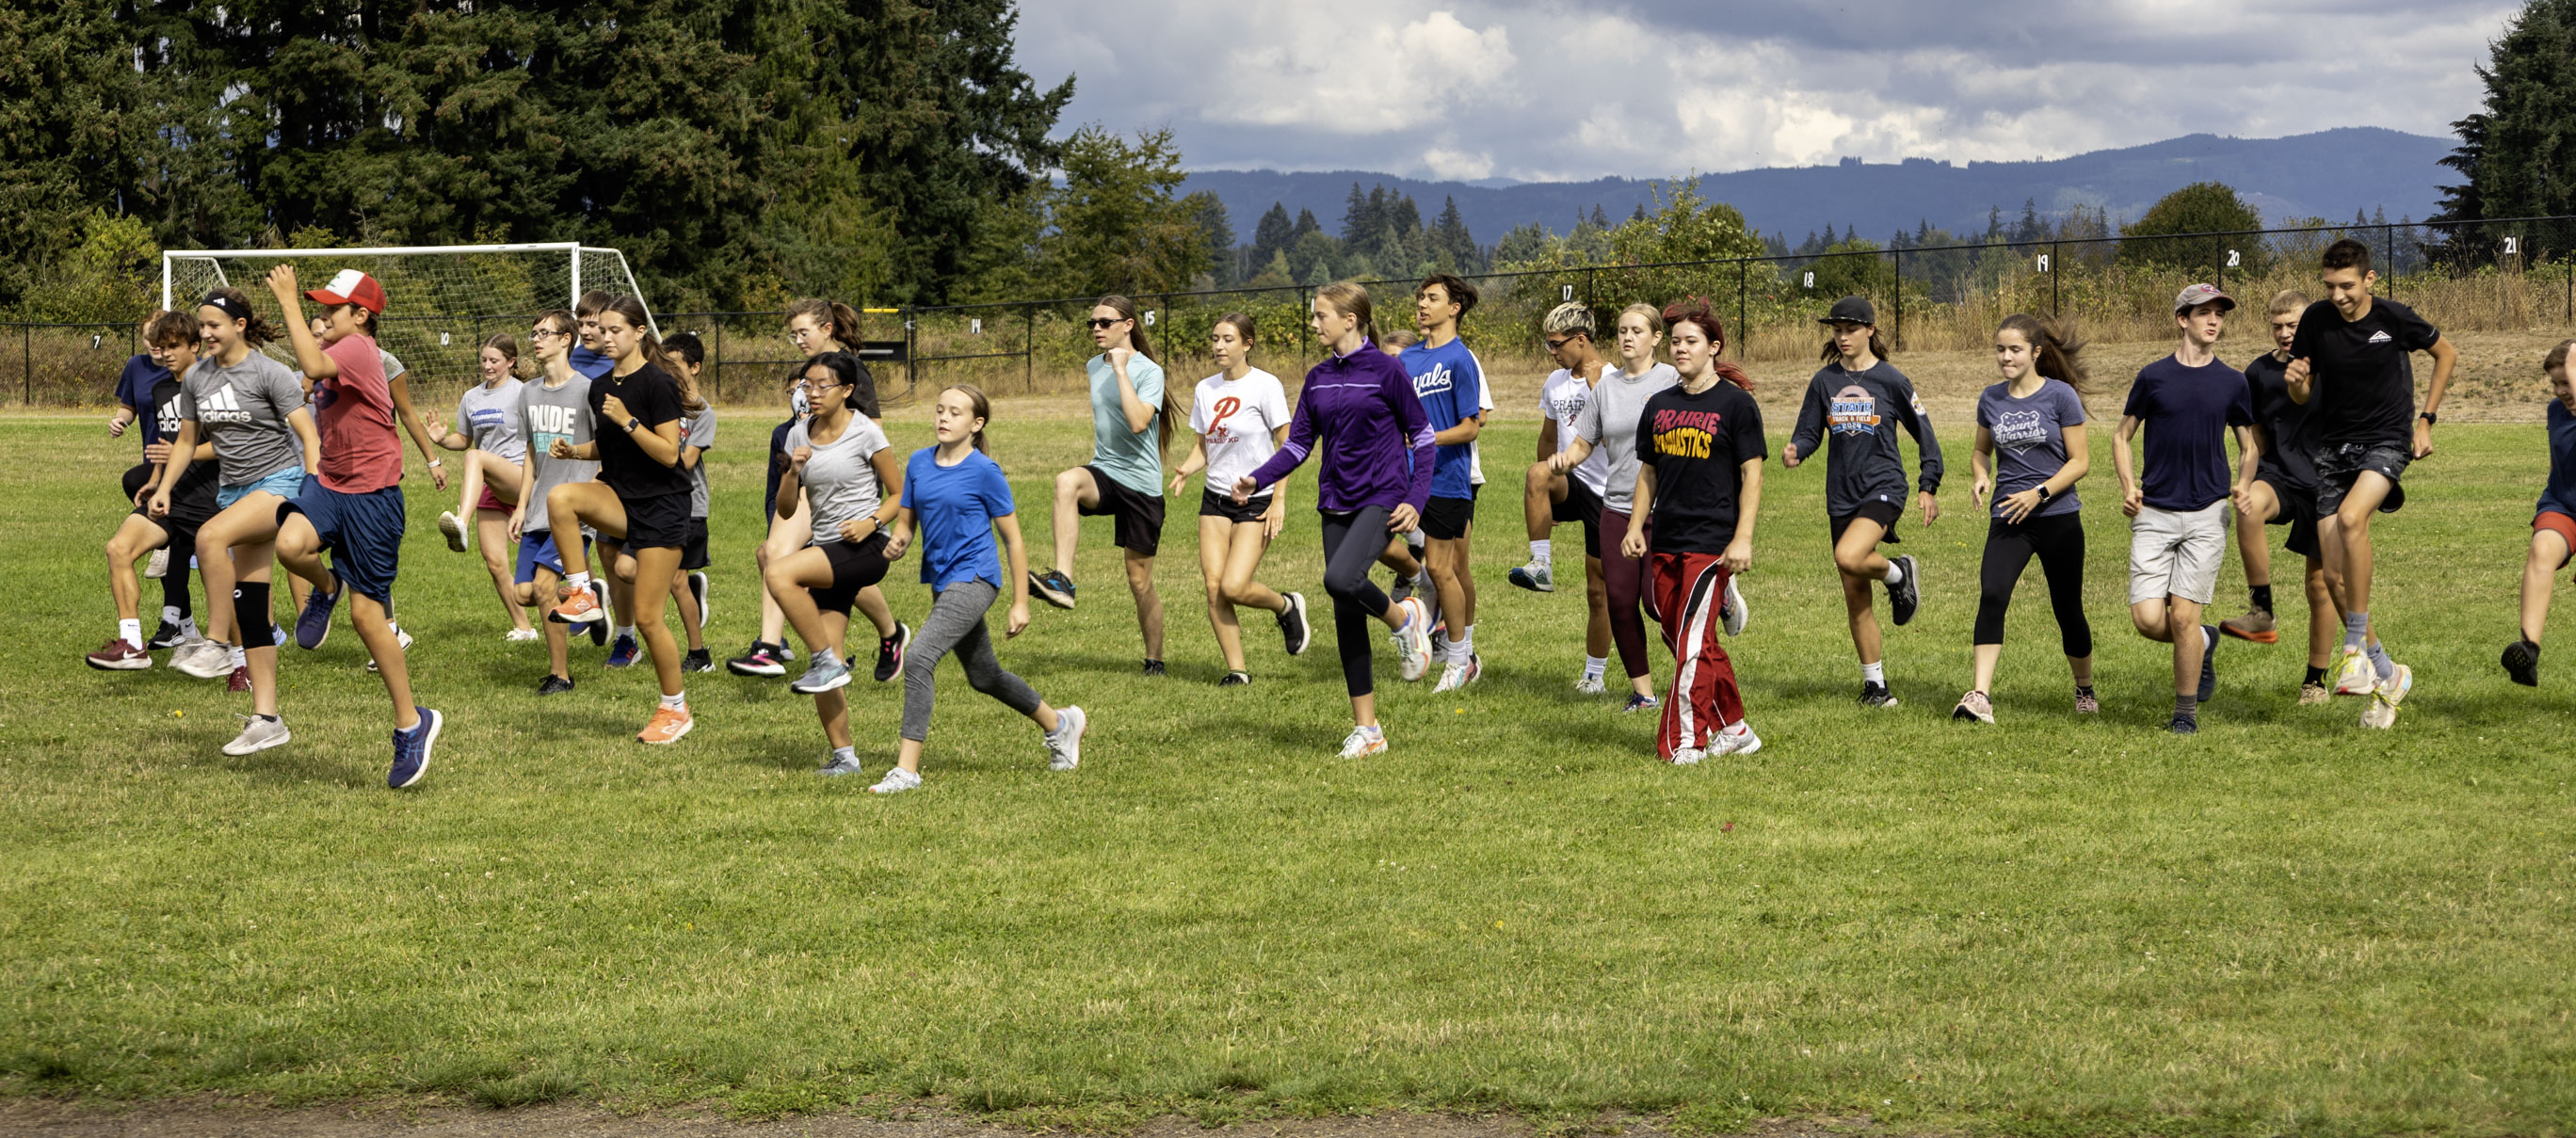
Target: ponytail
[[256, 330], [633, 310], [1351, 299], [2055, 350], [1171, 409], [843, 319], [983, 410]]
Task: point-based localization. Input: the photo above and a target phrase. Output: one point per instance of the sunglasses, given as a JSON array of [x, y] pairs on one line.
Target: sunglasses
[[1107, 321], [1557, 345]]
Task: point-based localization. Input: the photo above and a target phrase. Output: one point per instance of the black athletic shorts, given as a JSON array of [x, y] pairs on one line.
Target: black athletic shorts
[[1447, 519], [693, 554], [659, 522], [2338, 466], [855, 566], [1215, 505], [1884, 513], [1582, 505], [2298, 509], [192, 504], [1140, 516]]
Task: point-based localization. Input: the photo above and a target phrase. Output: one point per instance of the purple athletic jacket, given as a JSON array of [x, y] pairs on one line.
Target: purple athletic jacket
[[1379, 438]]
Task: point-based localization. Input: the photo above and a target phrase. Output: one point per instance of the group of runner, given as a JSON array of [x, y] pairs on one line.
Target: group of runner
[[597, 452]]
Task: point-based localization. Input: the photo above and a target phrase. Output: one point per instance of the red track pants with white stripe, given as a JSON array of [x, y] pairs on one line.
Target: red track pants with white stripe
[[1689, 587]]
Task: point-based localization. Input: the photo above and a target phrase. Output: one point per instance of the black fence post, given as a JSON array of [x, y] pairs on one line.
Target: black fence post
[[1029, 349], [27, 363], [2056, 266], [1900, 297], [1743, 333], [2388, 238]]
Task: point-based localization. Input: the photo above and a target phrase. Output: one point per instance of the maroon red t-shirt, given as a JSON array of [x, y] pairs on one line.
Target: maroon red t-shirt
[[354, 413]]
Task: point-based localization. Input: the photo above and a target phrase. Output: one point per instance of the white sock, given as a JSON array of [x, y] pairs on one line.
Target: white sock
[[1541, 550], [130, 631], [1874, 673], [170, 614], [678, 702], [578, 580], [239, 659], [845, 754], [1460, 650], [626, 630], [1594, 667], [1895, 573], [188, 627]]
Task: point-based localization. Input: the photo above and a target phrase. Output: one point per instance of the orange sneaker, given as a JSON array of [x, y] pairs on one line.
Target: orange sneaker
[[575, 607], [666, 727]]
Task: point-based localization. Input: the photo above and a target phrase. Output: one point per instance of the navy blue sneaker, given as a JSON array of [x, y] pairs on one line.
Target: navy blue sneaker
[[313, 625], [411, 749], [1053, 587], [624, 652]]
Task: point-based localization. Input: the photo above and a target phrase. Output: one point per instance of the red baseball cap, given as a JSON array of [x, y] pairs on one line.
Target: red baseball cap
[[351, 287]]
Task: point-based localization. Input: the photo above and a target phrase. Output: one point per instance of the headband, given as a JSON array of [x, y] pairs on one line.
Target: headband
[[233, 308]]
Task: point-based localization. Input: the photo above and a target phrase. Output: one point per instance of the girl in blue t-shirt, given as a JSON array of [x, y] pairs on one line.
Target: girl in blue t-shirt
[[956, 494], [2029, 455]]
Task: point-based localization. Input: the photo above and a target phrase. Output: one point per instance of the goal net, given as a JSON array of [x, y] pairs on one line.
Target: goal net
[[440, 301]]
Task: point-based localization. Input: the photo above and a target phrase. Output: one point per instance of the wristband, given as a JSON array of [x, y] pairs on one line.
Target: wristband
[[2430, 419], [2044, 495]]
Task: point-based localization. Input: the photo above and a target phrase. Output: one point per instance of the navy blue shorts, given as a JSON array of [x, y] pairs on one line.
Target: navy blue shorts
[[363, 532], [537, 547]]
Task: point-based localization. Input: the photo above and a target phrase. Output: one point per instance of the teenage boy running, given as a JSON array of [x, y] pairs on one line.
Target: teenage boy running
[[1448, 380], [2348, 363], [2179, 531], [1549, 497], [2553, 526]]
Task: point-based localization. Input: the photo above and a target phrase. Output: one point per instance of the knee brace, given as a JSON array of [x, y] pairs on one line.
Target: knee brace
[[250, 612]]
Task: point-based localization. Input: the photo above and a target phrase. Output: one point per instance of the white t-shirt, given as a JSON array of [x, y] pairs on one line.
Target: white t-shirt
[[1562, 398], [1484, 408], [1237, 418]]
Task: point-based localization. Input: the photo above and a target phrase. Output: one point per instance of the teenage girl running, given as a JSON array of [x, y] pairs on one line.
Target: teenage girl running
[[1374, 477], [555, 407], [1240, 416], [1132, 412], [172, 338], [955, 493], [1575, 496], [1862, 400], [487, 430], [1607, 425], [837, 460], [2030, 453]]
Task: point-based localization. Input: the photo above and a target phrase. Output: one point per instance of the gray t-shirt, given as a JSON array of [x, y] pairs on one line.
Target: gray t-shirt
[[1608, 421], [547, 414], [840, 484], [698, 431], [2030, 440], [242, 409], [489, 415]]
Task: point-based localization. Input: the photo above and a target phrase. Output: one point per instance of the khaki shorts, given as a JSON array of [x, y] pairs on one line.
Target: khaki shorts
[[2174, 554]]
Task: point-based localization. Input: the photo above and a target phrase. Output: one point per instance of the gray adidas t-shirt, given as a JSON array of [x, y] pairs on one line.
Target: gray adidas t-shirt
[[489, 415], [840, 484], [547, 414], [1608, 421], [698, 431], [243, 410]]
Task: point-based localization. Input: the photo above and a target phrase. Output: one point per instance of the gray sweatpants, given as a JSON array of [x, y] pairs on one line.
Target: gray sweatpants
[[956, 623]]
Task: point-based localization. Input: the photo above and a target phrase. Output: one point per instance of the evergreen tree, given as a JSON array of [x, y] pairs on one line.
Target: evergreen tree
[[1114, 225], [1451, 244], [2518, 153], [1216, 233], [1306, 224], [1362, 215], [1272, 235]]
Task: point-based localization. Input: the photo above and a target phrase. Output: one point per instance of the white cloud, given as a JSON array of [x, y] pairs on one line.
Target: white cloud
[[1352, 69]]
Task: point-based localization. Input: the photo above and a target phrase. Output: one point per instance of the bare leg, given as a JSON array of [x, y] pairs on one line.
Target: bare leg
[[2539, 572], [871, 603], [833, 707], [786, 535], [1149, 604], [687, 603], [657, 564], [2252, 544], [1215, 536], [376, 630], [134, 537], [1074, 492], [540, 591], [492, 529], [2325, 617], [1540, 492], [2175, 621], [1986, 657], [1857, 559]]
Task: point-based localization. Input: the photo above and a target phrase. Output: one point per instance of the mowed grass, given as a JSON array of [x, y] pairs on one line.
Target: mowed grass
[[2053, 925]]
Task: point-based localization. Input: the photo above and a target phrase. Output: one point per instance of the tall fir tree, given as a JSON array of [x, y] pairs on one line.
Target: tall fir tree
[[2517, 154]]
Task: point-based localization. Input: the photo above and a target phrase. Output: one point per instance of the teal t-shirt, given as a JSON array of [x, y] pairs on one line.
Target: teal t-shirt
[[1134, 458]]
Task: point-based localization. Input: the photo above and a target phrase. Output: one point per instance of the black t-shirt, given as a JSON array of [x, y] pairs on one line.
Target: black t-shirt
[[2289, 455], [202, 477], [777, 463], [1697, 445], [653, 398], [2365, 389]]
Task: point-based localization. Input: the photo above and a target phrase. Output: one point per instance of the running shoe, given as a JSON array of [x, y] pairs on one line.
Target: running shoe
[[2522, 663], [698, 593], [1537, 577], [2208, 662], [412, 748], [1905, 596], [459, 537], [2183, 725], [1737, 740], [1064, 744], [313, 625], [402, 641], [277, 637], [1688, 756], [204, 659], [119, 655], [1876, 695], [577, 606], [2311, 695], [1293, 629], [697, 660], [1363, 742], [761, 659], [890, 650], [258, 733], [622, 654], [1053, 587], [598, 628], [238, 681], [1731, 613], [2256, 625], [835, 766], [667, 725], [1440, 640], [1638, 701], [1403, 588], [1154, 668], [1235, 680], [1974, 706], [1413, 639], [1454, 675], [826, 673], [2354, 675], [554, 685], [2382, 712], [896, 781], [1591, 685], [157, 566], [169, 635], [522, 635], [2087, 703]]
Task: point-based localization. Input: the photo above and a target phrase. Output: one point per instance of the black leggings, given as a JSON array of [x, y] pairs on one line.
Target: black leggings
[[1352, 542], [2058, 542]]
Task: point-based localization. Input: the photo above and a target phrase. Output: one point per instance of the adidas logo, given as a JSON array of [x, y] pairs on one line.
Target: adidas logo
[[2382, 338], [223, 405]]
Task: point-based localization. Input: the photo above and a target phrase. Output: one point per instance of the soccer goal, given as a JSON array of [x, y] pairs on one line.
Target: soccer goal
[[441, 301]]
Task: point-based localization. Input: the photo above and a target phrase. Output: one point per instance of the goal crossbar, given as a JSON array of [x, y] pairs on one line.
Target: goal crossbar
[[572, 250]]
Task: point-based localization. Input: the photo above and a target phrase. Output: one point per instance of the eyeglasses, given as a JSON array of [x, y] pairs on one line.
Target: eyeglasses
[[1556, 345], [1107, 321], [546, 334]]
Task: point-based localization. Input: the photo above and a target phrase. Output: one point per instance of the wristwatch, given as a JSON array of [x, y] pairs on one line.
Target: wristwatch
[[632, 423], [2044, 495], [2430, 419]]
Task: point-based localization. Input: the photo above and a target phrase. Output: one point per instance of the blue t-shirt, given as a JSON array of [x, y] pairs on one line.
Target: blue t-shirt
[[134, 389], [2030, 440], [954, 506], [590, 364], [1449, 383], [2185, 413], [2561, 492], [1134, 458]]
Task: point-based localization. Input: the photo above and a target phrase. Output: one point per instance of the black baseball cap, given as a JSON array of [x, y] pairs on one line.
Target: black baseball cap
[[1851, 310]]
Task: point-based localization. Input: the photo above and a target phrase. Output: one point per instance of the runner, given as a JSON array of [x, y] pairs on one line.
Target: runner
[[955, 492], [2350, 360], [1450, 383], [1699, 487], [554, 408], [1131, 426], [1607, 428], [2179, 511], [487, 430], [1240, 416], [2553, 525], [1862, 400], [253, 411], [641, 500], [160, 421], [1374, 477], [837, 460], [172, 338], [769, 654], [685, 357], [2030, 453], [351, 508]]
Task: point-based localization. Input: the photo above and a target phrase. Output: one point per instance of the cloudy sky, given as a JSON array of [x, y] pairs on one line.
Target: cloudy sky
[[1544, 90]]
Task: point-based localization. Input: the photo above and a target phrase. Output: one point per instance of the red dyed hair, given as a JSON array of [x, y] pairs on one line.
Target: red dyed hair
[[1695, 310]]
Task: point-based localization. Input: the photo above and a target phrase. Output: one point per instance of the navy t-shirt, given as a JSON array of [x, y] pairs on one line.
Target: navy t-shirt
[[2288, 453], [134, 389], [2561, 492], [2184, 413]]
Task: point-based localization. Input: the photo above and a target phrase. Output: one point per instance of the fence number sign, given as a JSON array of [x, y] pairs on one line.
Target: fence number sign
[[1569, 292], [2234, 260], [1811, 279], [1149, 317], [93, 342], [975, 326], [2043, 262], [442, 339], [2512, 245]]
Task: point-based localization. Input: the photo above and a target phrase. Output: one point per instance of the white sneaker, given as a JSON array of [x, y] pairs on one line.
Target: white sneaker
[[1363, 742], [459, 535], [157, 566], [896, 781], [1734, 615], [2355, 676], [517, 635], [204, 659], [1413, 641], [1591, 685], [1064, 744], [257, 734], [1687, 756], [1738, 740], [1537, 577], [1456, 675], [2382, 712]]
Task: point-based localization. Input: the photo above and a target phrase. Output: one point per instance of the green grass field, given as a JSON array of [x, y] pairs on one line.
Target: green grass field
[[2283, 925]]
